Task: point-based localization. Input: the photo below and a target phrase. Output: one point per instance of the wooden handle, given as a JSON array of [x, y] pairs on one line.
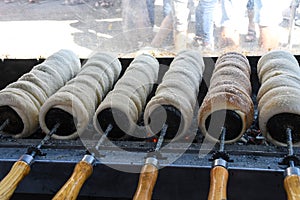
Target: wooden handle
[[10, 182], [72, 187], [218, 183], [292, 187], [146, 183]]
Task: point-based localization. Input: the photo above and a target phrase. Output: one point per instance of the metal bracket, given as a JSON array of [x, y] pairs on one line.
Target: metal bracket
[[155, 154], [37, 151], [220, 154], [94, 151], [286, 160]]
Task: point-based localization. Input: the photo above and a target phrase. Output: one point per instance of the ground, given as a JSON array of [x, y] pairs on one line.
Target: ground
[[33, 30]]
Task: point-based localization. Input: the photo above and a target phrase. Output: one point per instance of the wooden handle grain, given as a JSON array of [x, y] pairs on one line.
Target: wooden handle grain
[[146, 183], [218, 183], [292, 187], [11, 181], [72, 187]]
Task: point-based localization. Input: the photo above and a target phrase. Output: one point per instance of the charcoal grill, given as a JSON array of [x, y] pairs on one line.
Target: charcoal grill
[[254, 174]]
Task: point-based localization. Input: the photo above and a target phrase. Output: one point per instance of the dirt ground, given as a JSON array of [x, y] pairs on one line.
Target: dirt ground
[[38, 29], [33, 30]]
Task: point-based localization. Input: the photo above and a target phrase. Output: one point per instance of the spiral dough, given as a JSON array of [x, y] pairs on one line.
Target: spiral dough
[[29, 92], [178, 89], [279, 75], [230, 90], [128, 98], [82, 95]]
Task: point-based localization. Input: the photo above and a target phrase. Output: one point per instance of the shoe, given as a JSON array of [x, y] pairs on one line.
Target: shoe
[[197, 41], [207, 46], [251, 36], [204, 46]]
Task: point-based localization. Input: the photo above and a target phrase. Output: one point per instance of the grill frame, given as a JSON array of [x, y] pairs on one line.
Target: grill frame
[[255, 170], [254, 174]]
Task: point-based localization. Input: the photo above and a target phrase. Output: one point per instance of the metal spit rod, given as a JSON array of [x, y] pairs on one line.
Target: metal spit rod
[[45, 139], [161, 137], [4, 124], [290, 145], [292, 173], [149, 172], [103, 137], [219, 172], [222, 139], [21, 168]]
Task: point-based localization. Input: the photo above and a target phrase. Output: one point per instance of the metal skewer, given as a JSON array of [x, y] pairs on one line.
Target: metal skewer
[[222, 140], [103, 137], [4, 124], [292, 173], [161, 137], [219, 172], [289, 142], [21, 168], [149, 172]]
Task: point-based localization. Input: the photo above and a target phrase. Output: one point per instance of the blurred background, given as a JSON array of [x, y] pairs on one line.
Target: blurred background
[[37, 28]]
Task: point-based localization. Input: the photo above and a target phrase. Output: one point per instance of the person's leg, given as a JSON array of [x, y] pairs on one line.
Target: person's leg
[[250, 12], [135, 25], [251, 35], [198, 25], [180, 20], [177, 20], [205, 16], [165, 29], [232, 13], [268, 16], [167, 7], [269, 37], [151, 11]]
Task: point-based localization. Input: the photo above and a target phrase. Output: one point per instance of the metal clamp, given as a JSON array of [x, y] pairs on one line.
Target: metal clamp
[[34, 150], [152, 161], [220, 155], [292, 171], [89, 159], [220, 162], [286, 160], [27, 159], [95, 152], [155, 154]]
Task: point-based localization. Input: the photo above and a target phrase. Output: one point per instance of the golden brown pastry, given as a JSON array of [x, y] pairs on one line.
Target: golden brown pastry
[[231, 75], [229, 92]]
